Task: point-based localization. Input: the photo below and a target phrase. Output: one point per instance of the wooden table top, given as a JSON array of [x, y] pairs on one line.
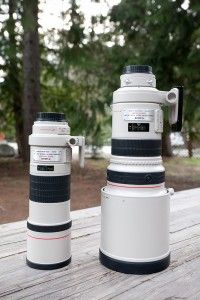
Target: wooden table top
[[87, 279]]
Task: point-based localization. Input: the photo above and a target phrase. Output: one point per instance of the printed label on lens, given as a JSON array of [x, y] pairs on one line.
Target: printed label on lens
[[45, 168], [143, 127], [138, 115], [47, 155]]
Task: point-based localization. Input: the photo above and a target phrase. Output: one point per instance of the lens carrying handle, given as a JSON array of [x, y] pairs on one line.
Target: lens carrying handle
[[80, 142], [178, 125], [174, 99]]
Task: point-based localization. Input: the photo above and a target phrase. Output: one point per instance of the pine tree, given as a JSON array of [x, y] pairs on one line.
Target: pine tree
[[31, 69]]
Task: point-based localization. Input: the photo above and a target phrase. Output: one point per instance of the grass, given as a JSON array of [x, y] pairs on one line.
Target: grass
[[99, 163], [183, 160], [192, 161], [187, 168]]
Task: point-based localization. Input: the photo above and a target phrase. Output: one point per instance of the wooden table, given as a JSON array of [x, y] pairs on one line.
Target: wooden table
[[87, 279]]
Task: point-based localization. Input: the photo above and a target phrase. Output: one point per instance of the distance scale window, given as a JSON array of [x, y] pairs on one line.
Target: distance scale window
[[138, 127]]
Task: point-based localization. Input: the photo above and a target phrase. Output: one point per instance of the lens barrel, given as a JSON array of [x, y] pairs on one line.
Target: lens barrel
[[49, 223], [135, 202]]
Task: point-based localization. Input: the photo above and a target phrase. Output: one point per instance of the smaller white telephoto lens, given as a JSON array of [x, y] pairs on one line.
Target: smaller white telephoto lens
[[49, 223]]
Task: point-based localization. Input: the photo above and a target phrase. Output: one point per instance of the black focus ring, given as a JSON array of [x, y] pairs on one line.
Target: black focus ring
[[136, 178], [137, 148], [49, 182], [49, 189], [49, 228]]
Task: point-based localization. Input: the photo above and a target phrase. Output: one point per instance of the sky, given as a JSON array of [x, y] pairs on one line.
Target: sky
[[50, 14], [51, 9]]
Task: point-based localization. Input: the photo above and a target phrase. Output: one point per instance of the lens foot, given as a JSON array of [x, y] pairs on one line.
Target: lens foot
[[138, 268]]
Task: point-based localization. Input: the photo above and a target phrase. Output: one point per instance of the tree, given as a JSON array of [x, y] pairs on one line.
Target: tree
[[191, 77], [71, 83], [14, 78], [80, 69], [11, 86], [31, 69], [159, 33]]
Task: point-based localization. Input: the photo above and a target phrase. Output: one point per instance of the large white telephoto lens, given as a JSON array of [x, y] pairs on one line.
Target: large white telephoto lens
[[49, 223], [135, 202]]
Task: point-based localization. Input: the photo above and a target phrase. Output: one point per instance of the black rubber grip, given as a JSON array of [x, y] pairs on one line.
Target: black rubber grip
[[48, 266], [49, 228], [49, 189], [136, 178], [138, 268], [136, 147]]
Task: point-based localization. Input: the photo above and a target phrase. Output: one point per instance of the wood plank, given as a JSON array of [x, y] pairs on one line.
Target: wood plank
[[97, 281], [185, 199], [15, 242], [192, 195], [180, 283], [85, 259], [16, 264], [184, 219], [75, 215], [87, 279]]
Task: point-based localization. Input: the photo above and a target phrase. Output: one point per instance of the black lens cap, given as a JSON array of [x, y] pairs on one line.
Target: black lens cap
[[137, 69], [50, 116]]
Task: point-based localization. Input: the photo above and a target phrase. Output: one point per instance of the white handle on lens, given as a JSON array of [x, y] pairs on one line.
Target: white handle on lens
[[172, 99], [170, 191], [79, 141]]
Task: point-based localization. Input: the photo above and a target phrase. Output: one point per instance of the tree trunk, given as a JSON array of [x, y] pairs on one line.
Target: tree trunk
[[31, 70], [14, 78], [166, 142], [189, 146]]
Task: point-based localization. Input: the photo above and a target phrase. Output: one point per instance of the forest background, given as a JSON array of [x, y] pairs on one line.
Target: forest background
[[75, 66]]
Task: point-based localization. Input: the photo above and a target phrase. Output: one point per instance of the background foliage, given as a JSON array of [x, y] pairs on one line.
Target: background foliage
[[79, 70]]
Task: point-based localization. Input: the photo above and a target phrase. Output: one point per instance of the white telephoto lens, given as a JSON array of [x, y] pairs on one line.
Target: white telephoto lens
[[135, 202], [49, 223]]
